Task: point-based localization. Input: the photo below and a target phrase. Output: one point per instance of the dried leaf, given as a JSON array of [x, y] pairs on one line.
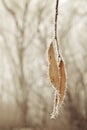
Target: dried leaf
[[54, 77], [53, 67], [58, 79], [62, 80]]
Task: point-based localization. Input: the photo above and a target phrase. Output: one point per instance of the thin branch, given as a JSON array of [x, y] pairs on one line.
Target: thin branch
[[12, 13], [24, 20], [56, 19], [8, 51], [39, 11], [23, 29]]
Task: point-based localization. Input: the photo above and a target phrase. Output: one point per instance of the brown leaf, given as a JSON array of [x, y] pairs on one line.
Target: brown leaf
[[58, 79], [53, 67], [62, 80]]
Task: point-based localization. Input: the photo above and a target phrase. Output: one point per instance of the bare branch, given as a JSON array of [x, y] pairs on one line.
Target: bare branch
[[23, 28], [9, 52], [12, 13], [56, 19]]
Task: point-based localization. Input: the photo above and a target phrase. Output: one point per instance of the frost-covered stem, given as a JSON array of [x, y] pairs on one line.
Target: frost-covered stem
[[56, 104], [56, 19]]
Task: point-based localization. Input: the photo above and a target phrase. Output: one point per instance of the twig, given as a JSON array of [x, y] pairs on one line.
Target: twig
[[10, 11], [56, 19]]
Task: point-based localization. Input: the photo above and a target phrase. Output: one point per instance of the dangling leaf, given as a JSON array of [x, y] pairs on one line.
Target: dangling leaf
[[53, 68], [54, 78], [62, 79], [58, 79], [57, 70]]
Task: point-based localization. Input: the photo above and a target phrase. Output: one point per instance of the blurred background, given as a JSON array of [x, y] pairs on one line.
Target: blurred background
[[26, 95]]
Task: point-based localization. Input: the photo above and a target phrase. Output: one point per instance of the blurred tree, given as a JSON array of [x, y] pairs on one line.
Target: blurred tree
[[17, 41]]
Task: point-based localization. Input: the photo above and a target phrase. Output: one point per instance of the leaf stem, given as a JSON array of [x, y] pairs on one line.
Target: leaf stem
[[56, 19]]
